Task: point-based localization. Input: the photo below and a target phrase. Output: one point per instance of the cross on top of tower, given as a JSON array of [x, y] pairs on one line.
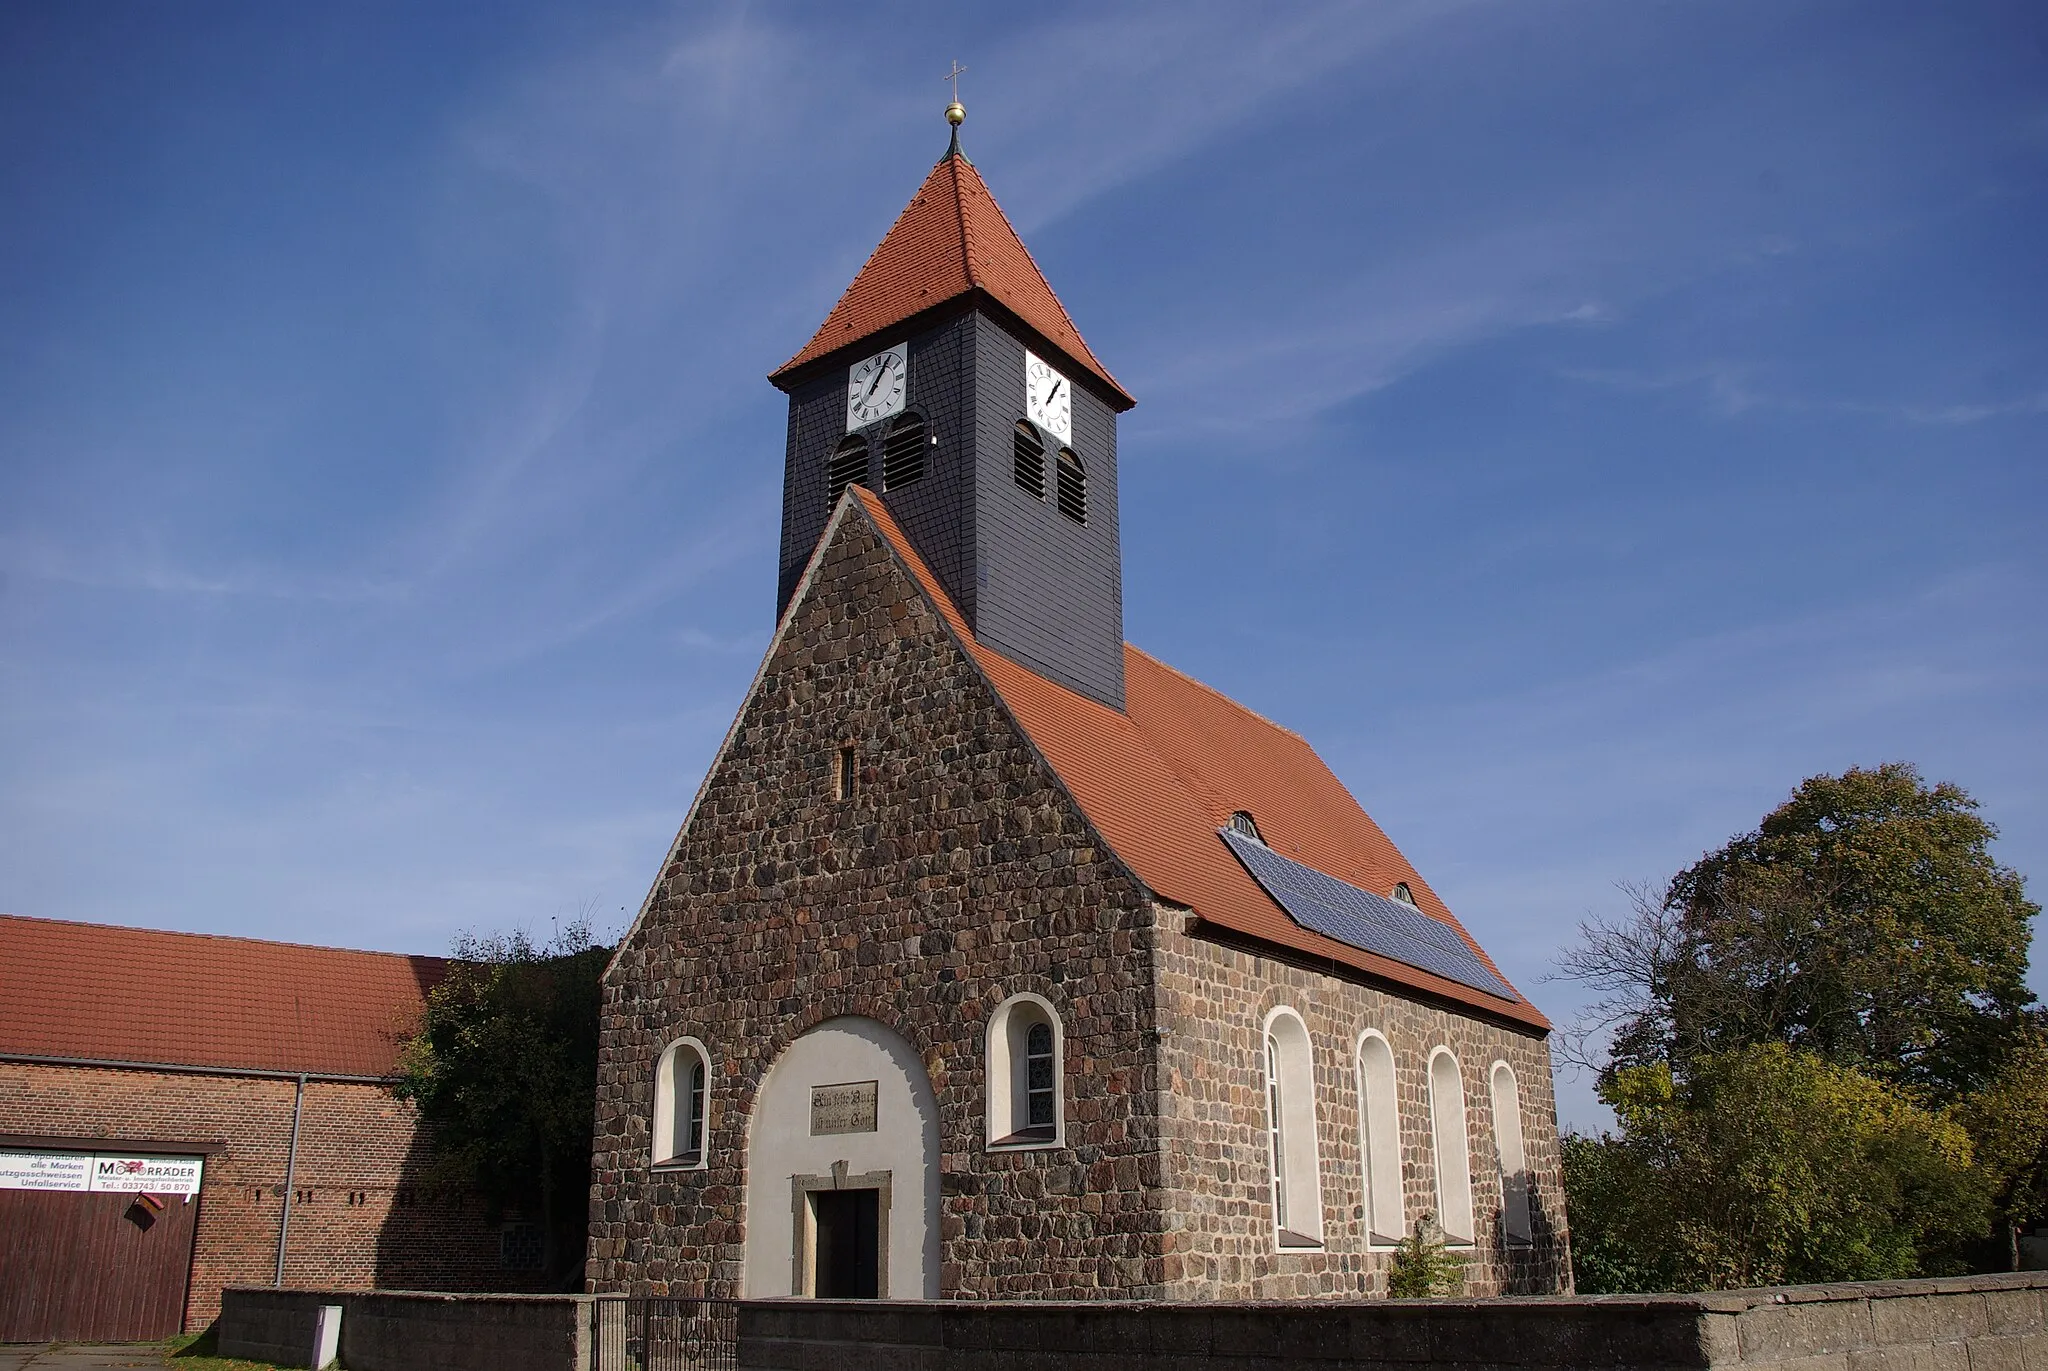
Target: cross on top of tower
[[956, 111]]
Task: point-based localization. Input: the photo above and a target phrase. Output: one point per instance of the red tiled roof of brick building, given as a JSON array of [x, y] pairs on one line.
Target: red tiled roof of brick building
[[85, 990], [1160, 779], [950, 240]]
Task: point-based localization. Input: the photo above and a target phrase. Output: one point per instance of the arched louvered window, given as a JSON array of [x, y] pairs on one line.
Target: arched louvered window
[[903, 451], [1073, 487], [1024, 1073], [1403, 893], [681, 1081], [1291, 1132], [1514, 1162], [1452, 1146], [1241, 822], [1379, 1112], [849, 465], [1039, 1080], [1029, 451]]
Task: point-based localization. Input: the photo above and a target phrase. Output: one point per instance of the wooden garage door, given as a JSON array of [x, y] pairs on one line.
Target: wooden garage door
[[92, 1266]]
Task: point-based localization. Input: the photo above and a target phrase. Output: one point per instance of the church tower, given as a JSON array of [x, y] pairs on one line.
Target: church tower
[[950, 381]]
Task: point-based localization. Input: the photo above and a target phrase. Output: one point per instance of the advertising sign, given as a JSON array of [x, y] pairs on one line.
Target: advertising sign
[[21, 1170], [99, 1172]]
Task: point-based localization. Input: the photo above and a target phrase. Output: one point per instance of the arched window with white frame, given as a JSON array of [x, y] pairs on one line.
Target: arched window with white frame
[[1379, 1118], [1291, 1131], [1453, 1151], [1514, 1164], [682, 1092], [1026, 1073]]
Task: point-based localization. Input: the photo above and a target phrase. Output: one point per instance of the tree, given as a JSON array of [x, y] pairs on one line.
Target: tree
[[1766, 1165], [504, 1072], [1423, 1268], [2008, 1122], [1863, 920]]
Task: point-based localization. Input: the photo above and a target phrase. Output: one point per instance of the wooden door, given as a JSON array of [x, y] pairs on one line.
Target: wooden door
[[92, 1267]]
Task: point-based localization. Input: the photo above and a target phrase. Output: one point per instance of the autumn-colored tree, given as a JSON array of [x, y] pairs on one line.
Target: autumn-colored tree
[[1766, 1165], [1864, 920]]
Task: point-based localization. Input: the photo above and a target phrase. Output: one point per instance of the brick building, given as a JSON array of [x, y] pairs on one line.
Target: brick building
[[179, 1113], [997, 959]]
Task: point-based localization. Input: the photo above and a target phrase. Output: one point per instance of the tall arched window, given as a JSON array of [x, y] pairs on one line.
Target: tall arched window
[[849, 465], [682, 1080], [1380, 1122], [1514, 1165], [903, 451], [1073, 487], [1026, 1082], [1453, 1153], [1028, 459], [1291, 1132]]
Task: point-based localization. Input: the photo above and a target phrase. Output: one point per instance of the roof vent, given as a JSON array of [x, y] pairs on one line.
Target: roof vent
[[1073, 487], [903, 452], [1029, 450], [849, 465], [1403, 893], [1241, 822]]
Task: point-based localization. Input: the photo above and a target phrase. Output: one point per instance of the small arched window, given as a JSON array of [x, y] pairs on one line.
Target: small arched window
[[903, 451], [1453, 1153], [1073, 487], [1386, 1220], [849, 465], [1028, 459], [1403, 893], [1291, 1132], [1026, 1045], [1514, 1165], [682, 1080], [1242, 823]]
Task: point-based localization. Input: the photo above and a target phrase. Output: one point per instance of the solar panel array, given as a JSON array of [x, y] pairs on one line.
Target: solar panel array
[[1358, 918]]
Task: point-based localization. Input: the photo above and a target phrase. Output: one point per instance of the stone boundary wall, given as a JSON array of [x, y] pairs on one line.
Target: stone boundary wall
[[1978, 1323], [1974, 1323], [388, 1330]]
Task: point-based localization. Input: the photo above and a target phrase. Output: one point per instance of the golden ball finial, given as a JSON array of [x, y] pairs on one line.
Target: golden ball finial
[[956, 114]]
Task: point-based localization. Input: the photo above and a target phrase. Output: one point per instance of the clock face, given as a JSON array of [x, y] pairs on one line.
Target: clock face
[[1048, 399], [875, 388]]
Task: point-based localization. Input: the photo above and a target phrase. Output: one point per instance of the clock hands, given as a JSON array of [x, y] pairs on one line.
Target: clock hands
[[880, 372], [1051, 394]]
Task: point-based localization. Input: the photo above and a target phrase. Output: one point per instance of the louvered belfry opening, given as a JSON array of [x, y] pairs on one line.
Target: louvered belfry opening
[[1029, 451], [849, 465], [903, 451], [1073, 487]]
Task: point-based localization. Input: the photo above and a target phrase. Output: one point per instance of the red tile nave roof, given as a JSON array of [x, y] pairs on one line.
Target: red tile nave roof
[[1160, 779]]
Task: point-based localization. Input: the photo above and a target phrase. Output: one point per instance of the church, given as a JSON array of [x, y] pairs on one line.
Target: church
[[997, 959]]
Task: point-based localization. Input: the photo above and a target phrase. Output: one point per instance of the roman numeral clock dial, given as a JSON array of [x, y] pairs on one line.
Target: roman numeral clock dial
[[1048, 399], [875, 387]]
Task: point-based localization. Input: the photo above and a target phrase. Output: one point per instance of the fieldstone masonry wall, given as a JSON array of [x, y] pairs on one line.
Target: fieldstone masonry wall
[[1213, 1000], [960, 873]]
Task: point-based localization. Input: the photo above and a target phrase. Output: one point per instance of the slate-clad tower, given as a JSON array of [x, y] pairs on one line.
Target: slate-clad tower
[[953, 287], [996, 958]]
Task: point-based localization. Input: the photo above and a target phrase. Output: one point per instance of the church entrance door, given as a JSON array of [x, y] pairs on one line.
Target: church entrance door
[[843, 1169], [848, 1255]]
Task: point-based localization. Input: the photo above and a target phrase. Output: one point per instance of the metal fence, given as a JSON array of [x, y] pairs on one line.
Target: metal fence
[[657, 1334]]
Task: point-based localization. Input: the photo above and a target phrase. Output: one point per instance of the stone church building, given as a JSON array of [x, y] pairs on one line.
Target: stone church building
[[997, 959]]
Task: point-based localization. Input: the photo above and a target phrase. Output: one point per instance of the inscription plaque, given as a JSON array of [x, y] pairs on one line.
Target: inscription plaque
[[847, 1108]]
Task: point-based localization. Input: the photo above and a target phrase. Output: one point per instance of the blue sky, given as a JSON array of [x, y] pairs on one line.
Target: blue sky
[[1582, 421]]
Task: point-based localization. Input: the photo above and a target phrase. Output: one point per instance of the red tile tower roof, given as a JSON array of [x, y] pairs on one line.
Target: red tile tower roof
[[84, 990], [1160, 779], [951, 240]]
